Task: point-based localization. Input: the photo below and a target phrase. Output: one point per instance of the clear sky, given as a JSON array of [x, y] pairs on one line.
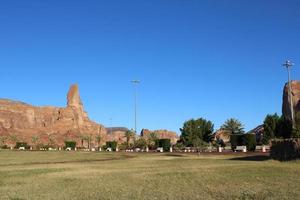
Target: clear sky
[[211, 59]]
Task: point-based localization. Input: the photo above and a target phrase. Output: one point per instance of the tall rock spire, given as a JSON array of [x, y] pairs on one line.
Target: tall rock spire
[[73, 97], [286, 106], [74, 102]]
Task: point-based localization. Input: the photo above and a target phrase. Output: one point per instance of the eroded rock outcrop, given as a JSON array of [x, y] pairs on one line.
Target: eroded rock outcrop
[[117, 134], [48, 125], [161, 134], [286, 105]]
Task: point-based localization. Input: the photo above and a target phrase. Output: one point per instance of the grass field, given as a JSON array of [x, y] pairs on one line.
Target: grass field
[[90, 175]]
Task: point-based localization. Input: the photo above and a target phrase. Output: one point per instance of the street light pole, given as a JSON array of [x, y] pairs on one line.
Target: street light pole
[[288, 64], [135, 82], [111, 127]]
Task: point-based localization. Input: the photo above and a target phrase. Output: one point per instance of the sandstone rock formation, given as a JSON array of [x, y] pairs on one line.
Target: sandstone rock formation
[[286, 105], [222, 134], [116, 134], [48, 125], [161, 134]]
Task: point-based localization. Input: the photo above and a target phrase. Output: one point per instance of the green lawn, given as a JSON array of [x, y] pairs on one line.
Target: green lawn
[[90, 175]]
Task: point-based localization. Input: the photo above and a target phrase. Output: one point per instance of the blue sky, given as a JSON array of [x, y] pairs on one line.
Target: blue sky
[[211, 59]]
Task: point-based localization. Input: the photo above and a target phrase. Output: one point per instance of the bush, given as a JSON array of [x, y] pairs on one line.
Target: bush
[[22, 144], [112, 144], [178, 146], [248, 140], [235, 140], [4, 147], [285, 150], [220, 143], [70, 144], [165, 144], [140, 143]]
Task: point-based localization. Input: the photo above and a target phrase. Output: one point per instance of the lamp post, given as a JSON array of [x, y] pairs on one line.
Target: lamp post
[[288, 64], [135, 82], [111, 127]]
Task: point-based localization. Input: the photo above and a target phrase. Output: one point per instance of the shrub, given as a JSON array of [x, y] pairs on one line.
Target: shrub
[[112, 144], [284, 150], [140, 143], [220, 143], [178, 146], [285, 128], [235, 141], [4, 147], [249, 140], [21, 144], [70, 144], [165, 144]]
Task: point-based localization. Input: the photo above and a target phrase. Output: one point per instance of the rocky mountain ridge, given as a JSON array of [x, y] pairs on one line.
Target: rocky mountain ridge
[[48, 125]]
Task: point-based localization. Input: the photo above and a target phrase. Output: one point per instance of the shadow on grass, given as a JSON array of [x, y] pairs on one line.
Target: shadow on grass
[[252, 158], [122, 157], [174, 155]]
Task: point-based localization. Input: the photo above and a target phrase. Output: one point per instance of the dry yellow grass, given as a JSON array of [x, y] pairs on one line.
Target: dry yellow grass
[[83, 175]]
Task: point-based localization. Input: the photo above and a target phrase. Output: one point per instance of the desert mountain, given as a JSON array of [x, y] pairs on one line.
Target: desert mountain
[[48, 125]]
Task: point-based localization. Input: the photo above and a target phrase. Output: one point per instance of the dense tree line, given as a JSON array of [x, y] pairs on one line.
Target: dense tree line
[[280, 127]]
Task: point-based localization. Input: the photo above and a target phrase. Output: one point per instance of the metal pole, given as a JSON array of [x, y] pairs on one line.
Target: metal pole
[[135, 82], [288, 66], [111, 127]]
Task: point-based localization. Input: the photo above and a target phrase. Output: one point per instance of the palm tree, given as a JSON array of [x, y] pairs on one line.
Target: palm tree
[[98, 139], [129, 134], [83, 139], [14, 138], [2, 140], [51, 139], [152, 139], [34, 140], [234, 126]]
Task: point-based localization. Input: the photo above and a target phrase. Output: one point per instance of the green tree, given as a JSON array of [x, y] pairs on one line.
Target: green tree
[[284, 128], [151, 140], [195, 130], [129, 134], [34, 140], [14, 138], [85, 138], [165, 144], [51, 142], [296, 131], [234, 126], [98, 139], [270, 128], [199, 144], [140, 143], [2, 140]]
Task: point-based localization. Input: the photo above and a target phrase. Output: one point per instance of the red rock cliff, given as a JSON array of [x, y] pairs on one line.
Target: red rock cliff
[[48, 125]]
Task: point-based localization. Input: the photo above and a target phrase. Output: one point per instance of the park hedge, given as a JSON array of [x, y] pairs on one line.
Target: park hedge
[[70, 144], [22, 144], [248, 140], [165, 144], [285, 149], [112, 144]]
